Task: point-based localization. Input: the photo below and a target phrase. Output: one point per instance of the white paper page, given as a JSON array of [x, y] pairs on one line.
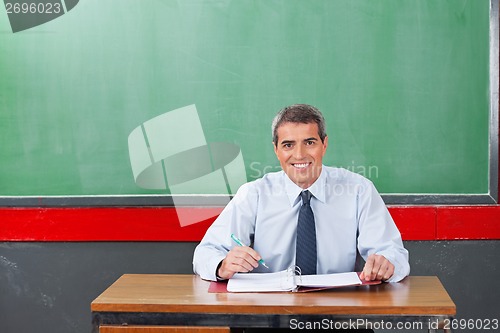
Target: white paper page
[[261, 282], [329, 280]]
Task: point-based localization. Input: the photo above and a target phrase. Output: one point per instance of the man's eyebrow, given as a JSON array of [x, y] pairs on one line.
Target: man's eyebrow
[[285, 142]]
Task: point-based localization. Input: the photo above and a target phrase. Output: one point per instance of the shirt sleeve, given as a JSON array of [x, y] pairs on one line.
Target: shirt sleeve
[[378, 233], [238, 218]]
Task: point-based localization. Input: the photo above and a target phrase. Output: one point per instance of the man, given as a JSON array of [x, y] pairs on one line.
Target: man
[[348, 215]]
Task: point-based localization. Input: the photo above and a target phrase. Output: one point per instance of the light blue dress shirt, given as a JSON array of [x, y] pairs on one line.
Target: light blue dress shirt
[[349, 213]]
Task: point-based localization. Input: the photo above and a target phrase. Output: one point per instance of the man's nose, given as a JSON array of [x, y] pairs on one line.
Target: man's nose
[[299, 152]]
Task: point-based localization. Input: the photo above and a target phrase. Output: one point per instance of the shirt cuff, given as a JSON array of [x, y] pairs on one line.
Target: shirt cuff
[[209, 269]]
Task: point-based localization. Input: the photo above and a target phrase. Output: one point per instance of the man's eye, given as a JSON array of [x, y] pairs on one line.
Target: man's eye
[[287, 145], [309, 143]]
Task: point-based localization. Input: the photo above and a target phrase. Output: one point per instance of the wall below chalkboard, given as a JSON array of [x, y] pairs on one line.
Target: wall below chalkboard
[[48, 287]]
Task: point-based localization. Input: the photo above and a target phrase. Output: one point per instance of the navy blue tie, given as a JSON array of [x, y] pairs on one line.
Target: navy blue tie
[[306, 256]]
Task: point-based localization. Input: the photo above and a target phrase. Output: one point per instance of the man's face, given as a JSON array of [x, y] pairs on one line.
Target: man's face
[[300, 152]]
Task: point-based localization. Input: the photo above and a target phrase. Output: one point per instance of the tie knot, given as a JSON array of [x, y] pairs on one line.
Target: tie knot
[[306, 197]]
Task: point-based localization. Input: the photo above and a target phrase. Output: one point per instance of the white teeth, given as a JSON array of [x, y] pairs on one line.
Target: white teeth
[[300, 165]]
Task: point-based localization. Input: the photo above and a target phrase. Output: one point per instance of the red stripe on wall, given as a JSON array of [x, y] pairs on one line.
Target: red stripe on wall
[[471, 222], [162, 223], [415, 223], [99, 224]]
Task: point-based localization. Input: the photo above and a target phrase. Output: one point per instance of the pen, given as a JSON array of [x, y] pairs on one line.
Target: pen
[[237, 241]]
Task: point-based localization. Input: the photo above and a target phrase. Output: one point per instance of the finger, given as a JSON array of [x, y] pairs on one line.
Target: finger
[[381, 272], [232, 264], [389, 273], [382, 269], [244, 257], [379, 267], [248, 254], [367, 269], [244, 264], [375, 267]]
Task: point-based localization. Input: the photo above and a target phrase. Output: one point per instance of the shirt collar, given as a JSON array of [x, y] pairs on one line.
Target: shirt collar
[[317, 189]]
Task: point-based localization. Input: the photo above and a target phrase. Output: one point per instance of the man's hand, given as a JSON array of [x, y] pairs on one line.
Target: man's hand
[[377, 267], [239, 259]]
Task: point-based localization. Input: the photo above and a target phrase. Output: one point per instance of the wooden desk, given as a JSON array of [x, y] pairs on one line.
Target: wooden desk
[[149, 302]]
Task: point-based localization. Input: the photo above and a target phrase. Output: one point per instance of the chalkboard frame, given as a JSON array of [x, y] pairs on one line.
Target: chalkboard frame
[[392, 199]]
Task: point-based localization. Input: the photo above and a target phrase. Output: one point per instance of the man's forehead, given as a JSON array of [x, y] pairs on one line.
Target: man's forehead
[[307, 129]]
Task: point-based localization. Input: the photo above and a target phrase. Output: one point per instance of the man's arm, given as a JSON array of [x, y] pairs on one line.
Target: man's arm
[[217, 247], [379, 240], [206, 260]]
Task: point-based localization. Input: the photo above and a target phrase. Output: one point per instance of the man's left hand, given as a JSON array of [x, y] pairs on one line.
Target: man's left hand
[[377, 267]]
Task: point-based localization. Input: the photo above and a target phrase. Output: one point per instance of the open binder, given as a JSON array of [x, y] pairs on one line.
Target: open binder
[[288, 280]]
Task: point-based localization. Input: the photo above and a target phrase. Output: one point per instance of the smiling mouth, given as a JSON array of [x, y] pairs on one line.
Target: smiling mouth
[[300, 165]]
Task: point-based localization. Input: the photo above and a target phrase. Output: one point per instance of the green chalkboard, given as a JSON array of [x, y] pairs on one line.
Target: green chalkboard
[[405, 86]]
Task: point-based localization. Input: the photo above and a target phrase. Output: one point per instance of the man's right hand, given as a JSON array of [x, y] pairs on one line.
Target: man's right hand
[[239, 259]]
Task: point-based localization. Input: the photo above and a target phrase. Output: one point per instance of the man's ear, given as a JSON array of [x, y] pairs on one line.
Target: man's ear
[[325, 144]]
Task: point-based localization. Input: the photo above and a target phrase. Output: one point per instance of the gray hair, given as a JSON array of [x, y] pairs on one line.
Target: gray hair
[[299, 113]]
